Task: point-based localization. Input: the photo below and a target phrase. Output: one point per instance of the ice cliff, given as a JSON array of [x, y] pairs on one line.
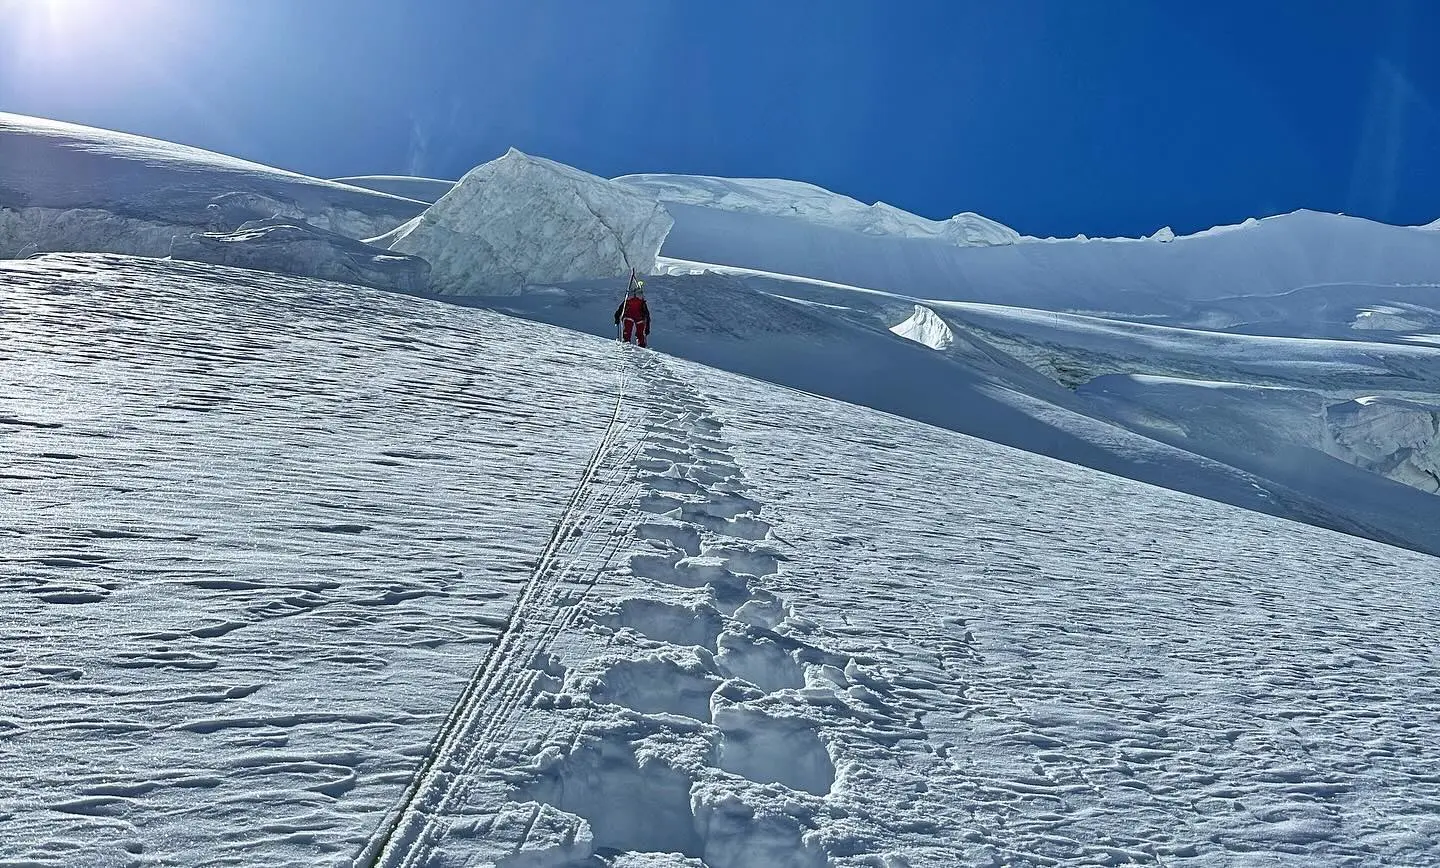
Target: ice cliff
[[521, 220]]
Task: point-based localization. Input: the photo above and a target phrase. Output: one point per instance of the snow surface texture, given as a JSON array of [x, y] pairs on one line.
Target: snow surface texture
[[297, 248], [65, 187], [519, 219], [309, 576], [818, 206], [407, 186]]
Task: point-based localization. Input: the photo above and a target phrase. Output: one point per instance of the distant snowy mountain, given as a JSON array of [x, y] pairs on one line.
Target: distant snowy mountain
[[779, 198], [66, 187], [1130, 277]]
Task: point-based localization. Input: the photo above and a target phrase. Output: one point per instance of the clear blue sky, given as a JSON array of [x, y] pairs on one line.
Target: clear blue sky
[[1055, 116]]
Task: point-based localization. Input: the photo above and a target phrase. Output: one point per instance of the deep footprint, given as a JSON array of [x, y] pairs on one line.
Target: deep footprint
[[660, 685], [768, 749], [630, 806], [762, 662], [667, 622]]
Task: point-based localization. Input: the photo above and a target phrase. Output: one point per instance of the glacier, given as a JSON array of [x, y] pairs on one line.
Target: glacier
[[519, 220], [66, 187]]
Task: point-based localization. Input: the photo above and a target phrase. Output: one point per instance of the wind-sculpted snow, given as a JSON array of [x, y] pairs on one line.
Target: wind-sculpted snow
[[520, 219], [65, 187], [1148, 678], [254, 530], [306, 575], [794, 199], [299, 249]]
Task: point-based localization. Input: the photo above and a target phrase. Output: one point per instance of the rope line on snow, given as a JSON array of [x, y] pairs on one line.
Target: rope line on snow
[[452, 727]]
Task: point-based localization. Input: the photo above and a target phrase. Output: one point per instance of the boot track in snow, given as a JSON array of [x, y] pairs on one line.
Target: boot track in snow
[[676, 711]]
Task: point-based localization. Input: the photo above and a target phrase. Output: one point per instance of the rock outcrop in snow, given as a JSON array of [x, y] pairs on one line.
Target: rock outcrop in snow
[[520, 220], [297, 248], [775, 197]]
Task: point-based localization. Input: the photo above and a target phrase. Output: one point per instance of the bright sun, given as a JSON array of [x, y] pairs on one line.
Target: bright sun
[[72, 32]]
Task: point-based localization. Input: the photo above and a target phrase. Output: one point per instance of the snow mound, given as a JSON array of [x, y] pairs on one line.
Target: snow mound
[[66, 187], [926, 327], [775, 197], [420, 189], [302, 250], [520, 220], [1395, 438]]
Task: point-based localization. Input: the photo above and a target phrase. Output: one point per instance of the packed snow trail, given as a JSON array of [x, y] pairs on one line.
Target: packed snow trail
[[658, 701]]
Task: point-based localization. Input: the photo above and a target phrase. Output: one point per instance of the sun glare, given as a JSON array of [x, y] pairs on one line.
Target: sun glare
[[58, 17], [80, 33]]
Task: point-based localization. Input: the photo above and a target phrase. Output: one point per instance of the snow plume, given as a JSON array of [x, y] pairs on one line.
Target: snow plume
[[519, 220]]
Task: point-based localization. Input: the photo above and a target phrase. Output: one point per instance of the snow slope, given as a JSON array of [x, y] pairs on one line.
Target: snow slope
[[990, 383], [66, 187], [310, 575]]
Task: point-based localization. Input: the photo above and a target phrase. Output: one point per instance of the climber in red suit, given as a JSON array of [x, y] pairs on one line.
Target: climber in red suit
[[633, 315]]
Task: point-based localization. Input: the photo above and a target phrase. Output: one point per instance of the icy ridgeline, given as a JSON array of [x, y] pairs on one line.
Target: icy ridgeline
[[780, 198], [1147, 277], [65, 187], [427, 190], [520, 220]]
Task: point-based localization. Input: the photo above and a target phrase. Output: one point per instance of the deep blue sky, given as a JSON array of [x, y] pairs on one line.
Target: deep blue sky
[[1098, 116]]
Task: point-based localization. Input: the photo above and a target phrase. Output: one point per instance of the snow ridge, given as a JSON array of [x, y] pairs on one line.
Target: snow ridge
[[776, 197]]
